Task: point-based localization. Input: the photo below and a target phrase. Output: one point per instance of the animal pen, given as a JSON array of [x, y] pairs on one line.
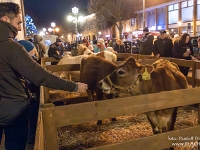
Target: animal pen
[[51, 117]]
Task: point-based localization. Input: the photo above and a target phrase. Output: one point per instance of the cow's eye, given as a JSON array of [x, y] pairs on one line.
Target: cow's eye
[[120, 72]]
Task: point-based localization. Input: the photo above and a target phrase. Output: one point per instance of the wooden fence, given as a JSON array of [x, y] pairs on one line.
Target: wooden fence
[[51, 117]]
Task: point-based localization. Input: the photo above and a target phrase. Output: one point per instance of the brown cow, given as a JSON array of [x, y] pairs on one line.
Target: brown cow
[[93, 69], [164, 76]]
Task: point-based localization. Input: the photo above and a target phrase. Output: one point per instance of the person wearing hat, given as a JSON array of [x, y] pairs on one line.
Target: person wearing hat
[[30, 48], [37, 41], [100, 46], [163, 46], [56, 50], [146, 44]]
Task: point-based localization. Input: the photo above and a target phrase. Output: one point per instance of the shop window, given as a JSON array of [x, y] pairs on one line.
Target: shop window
[[190, 2], [184, 4], [198, 12], [173, 13], [173, 17], [175, 6], [161, 19], [132, 22], [187, 14], [170, 7]]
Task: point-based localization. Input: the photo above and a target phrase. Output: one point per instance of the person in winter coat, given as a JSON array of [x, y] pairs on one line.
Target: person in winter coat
[[16, 65], [119, 46], [34, 99], [183, 49], [146, 44], [56, 50], [39, 46], [163, 46], [100, 46]]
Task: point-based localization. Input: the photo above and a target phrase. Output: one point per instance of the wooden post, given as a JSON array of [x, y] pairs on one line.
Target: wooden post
[[166, 16], [179, 19], [194, 17]]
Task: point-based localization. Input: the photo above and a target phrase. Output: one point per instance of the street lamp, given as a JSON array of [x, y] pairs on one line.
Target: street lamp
[[57, 29], [53, 24], [75, 19]]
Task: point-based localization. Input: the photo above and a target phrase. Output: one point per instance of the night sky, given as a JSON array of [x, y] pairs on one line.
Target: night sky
[[44, 12]]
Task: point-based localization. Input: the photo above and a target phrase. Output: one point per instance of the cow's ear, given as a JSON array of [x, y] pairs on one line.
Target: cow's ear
[[150, 68]]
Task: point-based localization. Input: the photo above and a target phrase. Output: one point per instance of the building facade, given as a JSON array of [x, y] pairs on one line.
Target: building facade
[[177, 16]]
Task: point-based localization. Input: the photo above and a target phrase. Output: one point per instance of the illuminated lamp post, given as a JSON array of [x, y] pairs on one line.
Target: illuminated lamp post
[[75, 19], [53, 24]]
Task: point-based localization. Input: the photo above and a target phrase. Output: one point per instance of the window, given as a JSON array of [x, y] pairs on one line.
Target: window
[[170, 7], [187, 14], [132, 22], [198, 12], [187, 10], [198, 1], [173, 13], [184, 4], [190, 2], [176, 6], [173, 17]]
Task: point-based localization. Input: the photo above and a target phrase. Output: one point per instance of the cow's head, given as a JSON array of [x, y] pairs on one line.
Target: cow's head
[[124, 77]]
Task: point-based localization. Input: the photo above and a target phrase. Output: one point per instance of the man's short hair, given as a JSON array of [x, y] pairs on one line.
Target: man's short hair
[[162, 31], [9, 9]]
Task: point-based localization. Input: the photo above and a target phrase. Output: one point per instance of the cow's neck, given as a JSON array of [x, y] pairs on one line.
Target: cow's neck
[[141, 87]]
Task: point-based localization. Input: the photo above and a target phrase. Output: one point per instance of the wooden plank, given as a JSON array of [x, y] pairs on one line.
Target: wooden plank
[[120, 56], [92, 111], [190, 80], [127, 55], [148, 61], [183, 62], [155, 142], [68, 67], [197, 82], [39, 137], [48, 59], [144, 56], [50, 130], [186, 63]]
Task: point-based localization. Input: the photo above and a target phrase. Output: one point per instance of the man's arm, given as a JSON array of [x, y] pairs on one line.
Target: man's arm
[[24, 65]]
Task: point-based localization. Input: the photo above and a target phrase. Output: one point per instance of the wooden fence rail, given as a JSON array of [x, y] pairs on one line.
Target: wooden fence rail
[[54, 117], [51, 117]]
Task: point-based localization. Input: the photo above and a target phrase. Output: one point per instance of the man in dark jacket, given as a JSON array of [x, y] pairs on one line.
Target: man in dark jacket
[[163, 46], [16, 65], [146, 44], [56, 50]]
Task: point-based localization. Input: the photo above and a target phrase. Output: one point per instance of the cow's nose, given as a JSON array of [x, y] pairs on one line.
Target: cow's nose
[[100, 83]]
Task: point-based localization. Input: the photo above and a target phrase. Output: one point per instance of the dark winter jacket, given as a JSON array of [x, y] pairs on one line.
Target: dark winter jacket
[[146, 44], [179, 50], [120, 48], [55, 51], [15, 66], [163, 47]]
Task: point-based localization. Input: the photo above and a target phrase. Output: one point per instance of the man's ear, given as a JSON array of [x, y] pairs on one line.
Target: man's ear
[[150, 68], [5, 18]]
